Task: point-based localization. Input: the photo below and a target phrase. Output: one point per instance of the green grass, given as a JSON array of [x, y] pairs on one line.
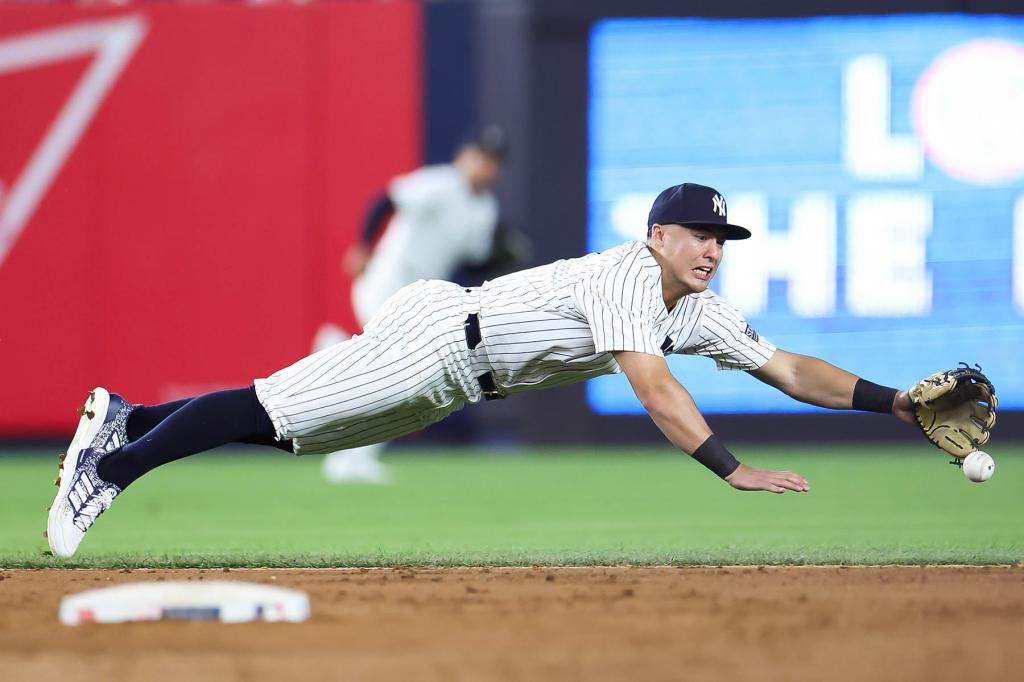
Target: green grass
[[867, 505]]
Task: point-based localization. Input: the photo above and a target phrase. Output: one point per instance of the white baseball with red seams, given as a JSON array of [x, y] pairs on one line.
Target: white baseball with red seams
[[979, 466]]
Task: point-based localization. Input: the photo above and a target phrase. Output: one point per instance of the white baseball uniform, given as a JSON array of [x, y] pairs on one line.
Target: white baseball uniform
[[440, 222], [546, 326]]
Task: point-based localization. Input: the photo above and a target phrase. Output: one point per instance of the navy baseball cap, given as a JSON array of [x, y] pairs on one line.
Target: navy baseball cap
[[693, 205], [490, 139]]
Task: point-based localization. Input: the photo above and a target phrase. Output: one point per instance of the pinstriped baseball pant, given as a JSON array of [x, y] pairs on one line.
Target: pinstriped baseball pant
[[410, 367]]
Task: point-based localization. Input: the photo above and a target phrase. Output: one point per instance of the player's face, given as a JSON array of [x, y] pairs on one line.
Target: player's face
[[691, 255], [479, 168], [485, 170]]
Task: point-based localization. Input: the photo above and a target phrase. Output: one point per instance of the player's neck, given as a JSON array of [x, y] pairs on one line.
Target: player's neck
[[672, 290], [668, 293]]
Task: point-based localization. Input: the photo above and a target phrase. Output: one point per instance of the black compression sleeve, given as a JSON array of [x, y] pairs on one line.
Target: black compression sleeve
[[872, 397], [713, 454], [376, 217]]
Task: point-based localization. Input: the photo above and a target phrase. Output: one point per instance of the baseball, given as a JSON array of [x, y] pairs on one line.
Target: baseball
[[979, 466]]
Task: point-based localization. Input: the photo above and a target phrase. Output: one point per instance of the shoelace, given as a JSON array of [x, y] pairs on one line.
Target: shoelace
[[95, 504]]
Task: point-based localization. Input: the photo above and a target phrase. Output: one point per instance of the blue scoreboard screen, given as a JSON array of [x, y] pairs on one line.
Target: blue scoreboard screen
[[879, 162]]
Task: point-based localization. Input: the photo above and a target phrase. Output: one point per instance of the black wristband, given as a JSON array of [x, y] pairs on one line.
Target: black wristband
[[872, 397], [714, 455]]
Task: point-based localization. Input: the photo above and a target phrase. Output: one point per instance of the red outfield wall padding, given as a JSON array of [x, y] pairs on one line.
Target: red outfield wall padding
[[178, 185]]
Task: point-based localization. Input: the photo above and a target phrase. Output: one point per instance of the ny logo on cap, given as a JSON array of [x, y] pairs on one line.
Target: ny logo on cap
[[719, 204]]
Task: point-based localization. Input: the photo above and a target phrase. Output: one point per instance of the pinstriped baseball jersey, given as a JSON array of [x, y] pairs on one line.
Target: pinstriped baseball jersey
[[556, 324], [559, 323]]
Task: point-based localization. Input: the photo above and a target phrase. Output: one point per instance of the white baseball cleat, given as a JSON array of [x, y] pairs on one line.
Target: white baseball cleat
[[81, 494], [359, 465], [329, 335]]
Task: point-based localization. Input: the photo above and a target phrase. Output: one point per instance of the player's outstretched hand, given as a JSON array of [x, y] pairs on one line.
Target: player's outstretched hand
[[749, 478], [903, 408]]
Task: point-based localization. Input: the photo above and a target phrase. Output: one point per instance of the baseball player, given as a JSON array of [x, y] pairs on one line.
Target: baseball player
[[437, 218], [435, 346]]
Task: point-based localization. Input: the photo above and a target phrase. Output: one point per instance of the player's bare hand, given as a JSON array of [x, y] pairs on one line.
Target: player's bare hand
[[903, 408], [749, 478], [355, 260]]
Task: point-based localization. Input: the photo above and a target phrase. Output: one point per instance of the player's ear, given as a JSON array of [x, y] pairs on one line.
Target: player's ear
[[656, 234]]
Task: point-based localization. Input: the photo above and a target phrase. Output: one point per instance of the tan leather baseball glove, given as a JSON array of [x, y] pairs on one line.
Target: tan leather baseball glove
[[956, 409]]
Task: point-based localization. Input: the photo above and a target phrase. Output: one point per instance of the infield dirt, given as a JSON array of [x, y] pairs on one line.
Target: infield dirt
[[617, 623]]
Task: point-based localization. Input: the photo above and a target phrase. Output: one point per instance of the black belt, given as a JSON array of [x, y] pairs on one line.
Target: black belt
[[473, 338]]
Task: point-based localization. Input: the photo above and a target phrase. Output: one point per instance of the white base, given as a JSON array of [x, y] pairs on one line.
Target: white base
[[225, 601]]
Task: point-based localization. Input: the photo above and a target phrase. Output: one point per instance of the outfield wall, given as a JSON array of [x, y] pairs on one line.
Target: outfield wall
[[178, 184]]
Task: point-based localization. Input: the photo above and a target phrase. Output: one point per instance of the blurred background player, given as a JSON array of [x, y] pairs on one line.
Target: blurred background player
[[438, 222]]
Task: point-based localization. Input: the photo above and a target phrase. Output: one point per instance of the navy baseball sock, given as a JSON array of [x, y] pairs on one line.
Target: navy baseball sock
[[145, 418], [200, 424]]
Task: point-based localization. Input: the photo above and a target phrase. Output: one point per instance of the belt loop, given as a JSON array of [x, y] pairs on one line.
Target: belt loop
[[488, 387], [472, 326]]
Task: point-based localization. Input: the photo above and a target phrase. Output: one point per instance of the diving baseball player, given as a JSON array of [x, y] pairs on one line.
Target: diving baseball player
[[436, 346], [436, 218]]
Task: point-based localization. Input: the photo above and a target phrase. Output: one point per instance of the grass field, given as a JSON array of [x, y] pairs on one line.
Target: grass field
[[867, 505]]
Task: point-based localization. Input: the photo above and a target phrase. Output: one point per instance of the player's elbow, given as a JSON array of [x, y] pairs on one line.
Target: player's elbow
[[782, 372], [656, 401]]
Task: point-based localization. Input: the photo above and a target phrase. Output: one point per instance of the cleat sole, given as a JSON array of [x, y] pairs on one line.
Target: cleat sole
[[88, 426]]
